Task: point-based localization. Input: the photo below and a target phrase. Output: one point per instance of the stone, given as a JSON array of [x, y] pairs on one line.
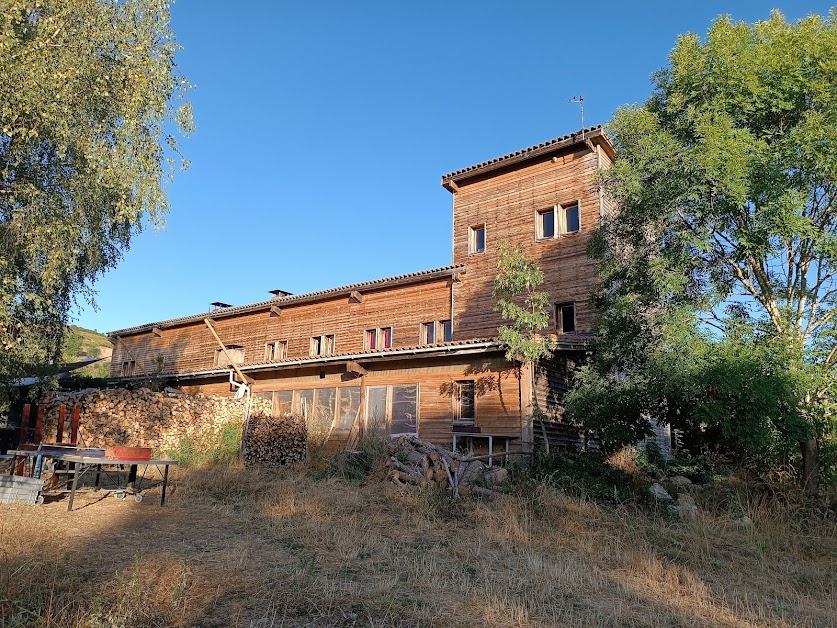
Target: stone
[[680, 481], [659, 492], [686, 507]]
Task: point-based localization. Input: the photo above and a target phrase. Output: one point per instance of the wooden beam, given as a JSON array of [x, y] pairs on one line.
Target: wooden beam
[[452, 186], [457, 276], [131, 355], [356, 296], [211, 325], [275, 311], [157, 331], [354, 367]]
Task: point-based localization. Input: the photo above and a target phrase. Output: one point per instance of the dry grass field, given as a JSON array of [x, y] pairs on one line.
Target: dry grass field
[[243, 548]]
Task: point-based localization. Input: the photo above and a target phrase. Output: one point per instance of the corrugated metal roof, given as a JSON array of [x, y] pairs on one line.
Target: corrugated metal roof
[[558, 142], [476, 344], [421, 275]]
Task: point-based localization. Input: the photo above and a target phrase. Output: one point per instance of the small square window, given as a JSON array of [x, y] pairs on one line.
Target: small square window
[[322, 345], [275, 351], [378, 338], [565, 318], [476, 239], [235, 353], [545, 227]]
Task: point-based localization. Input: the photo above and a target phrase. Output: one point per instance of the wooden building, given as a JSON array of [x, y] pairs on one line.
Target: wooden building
[[415, 353]]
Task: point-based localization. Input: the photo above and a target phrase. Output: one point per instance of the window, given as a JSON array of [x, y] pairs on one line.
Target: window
[[275, 351], [545, 224], [560, 220], [348, 408], [283, 402], [392, 409], [464, 408], [236, 352], [378, 338], [128, 368], [476, 239], [570, 219], [322, 345], [436, 331], [565, 318]]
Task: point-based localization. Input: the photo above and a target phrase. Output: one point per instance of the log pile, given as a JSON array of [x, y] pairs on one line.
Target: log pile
[[143, 418], [273, 441], [415, 465]]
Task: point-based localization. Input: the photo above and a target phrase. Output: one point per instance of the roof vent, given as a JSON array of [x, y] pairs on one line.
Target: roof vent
[[217, 305], [280, 294]]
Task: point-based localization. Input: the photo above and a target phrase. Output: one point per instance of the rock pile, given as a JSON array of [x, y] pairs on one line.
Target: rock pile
[[415, 465], [144, 418]]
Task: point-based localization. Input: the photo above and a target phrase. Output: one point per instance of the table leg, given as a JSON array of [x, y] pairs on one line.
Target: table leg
[[75, 485], [132, 477], [165, 484], [98, 475]]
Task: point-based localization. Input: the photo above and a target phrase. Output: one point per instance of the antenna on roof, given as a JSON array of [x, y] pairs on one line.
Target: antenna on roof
[[579, 100]]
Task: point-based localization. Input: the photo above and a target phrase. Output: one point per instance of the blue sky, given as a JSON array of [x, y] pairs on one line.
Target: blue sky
[[323, 129]]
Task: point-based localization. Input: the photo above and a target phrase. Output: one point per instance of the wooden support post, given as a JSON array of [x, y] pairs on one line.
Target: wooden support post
[[74, 425], [157, 331], [24, 424], [210, 324], [59, 430], [356, 296], [39, 425], [275, 311]]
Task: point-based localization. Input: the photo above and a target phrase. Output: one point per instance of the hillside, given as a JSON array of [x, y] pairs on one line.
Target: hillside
[[82, 343]]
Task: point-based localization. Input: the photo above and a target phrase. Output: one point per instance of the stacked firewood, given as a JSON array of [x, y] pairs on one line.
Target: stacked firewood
[[273, 441], [415, 465]]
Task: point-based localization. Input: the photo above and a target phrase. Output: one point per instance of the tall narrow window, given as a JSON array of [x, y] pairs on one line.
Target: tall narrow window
[[385, 337], [404, 418], [545, 224], [446, 331], [570, 219], [464, 409], [476, 239], [316, 346], [565, 318], [428, 333]]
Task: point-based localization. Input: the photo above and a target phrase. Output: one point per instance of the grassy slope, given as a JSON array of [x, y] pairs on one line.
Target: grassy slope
[[281, 548], [82, 343]]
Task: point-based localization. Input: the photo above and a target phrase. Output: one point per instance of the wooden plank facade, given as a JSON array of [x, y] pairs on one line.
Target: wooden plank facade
[[414, 352]]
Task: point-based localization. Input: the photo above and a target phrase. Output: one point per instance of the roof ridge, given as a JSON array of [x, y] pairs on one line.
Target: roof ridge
[[598, 129], [288, 300]]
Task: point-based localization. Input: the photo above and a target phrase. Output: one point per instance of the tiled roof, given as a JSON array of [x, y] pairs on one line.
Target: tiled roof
[[531, 151], [421, 275]]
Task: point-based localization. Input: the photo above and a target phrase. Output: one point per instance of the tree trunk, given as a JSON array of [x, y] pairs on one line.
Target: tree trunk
[[810, 465]]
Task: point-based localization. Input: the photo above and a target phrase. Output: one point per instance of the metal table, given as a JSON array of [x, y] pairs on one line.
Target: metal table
[[134, 486], [470, 436]]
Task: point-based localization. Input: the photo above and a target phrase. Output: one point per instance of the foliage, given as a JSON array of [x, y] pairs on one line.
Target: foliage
[[727, 233], [87, 104], [220, 448], [368, 456], [521, 302]]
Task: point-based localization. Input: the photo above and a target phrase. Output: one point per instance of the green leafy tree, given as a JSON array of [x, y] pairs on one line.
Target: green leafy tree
[[90, 97], [519, 301], [727, 182]]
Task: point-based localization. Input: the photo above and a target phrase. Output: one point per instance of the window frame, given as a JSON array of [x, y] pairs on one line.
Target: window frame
[[128, 368], [321, 342], [379, 337], [270, 350], [561, 209], [539, 214], [559, 318], [219, 353], [440, 329], [429, 326], [456, 401], [472, 239]]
